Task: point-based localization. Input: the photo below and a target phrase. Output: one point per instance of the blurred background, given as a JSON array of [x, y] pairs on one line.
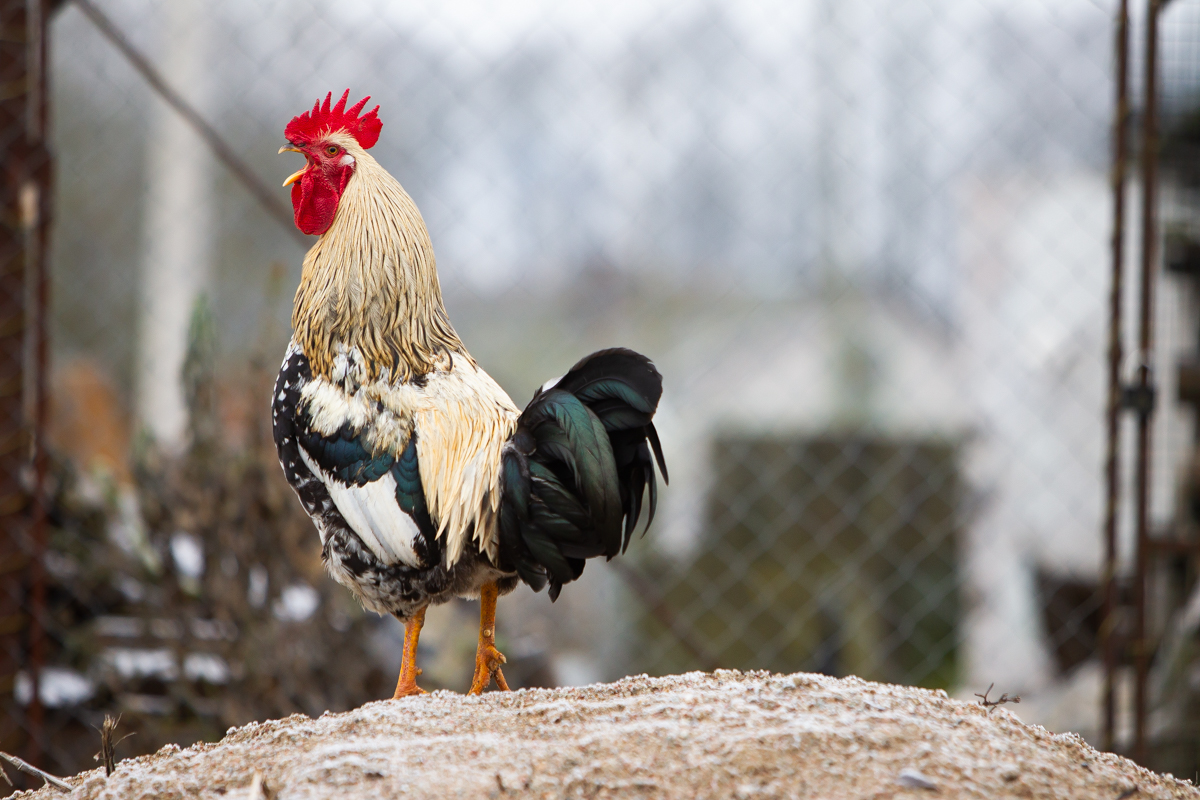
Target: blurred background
[[867, 242]]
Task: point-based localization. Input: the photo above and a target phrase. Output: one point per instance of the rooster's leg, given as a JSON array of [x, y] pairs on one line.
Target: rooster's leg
[[407, 683], [487, 658]]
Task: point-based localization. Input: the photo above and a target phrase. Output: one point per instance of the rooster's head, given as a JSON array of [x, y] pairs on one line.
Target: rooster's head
[[330, 139]]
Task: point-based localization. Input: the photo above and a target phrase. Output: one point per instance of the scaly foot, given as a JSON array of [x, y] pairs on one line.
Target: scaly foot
[[406, 684], [487, 666], [487, 658]]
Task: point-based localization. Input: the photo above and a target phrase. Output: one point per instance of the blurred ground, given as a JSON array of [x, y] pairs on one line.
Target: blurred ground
[[726, 734]]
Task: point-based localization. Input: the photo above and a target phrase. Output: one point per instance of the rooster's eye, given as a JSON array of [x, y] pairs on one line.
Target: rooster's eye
[[331, 150]]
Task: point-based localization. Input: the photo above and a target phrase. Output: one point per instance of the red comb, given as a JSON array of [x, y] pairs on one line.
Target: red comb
[[322, 119]]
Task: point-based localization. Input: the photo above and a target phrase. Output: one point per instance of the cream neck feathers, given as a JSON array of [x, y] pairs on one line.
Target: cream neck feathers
[[370, 283]]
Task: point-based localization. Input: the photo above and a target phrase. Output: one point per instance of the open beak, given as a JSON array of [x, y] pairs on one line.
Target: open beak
[[295, 176]]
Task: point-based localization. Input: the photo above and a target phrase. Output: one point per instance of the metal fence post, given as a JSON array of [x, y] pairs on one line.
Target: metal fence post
[[24, 196], [1145, 376], [1108, 632]]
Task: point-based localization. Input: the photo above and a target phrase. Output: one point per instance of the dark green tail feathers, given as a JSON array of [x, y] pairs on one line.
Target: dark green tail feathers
[[575, 472]]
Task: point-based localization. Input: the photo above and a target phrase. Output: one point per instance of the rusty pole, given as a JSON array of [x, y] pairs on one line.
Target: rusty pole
[[37, 236], [24, 198], [17, 155], [1108, 630], [1145, 377]]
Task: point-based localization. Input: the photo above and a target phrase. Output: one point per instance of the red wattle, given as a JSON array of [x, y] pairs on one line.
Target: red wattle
[[314, 202], [316, 195]]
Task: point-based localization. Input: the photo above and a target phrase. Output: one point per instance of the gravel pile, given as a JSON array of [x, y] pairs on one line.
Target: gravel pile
[[726, 734]]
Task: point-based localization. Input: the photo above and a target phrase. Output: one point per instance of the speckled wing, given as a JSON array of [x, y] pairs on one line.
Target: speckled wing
[[343, 482]]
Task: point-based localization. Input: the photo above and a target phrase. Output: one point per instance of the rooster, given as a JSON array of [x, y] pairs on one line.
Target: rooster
[[424, 480]]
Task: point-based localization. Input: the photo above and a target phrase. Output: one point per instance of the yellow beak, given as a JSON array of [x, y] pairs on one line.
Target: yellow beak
[[295, 176]]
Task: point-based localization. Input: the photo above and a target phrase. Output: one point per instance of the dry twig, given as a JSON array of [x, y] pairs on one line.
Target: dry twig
[[108, 748], [990, 704], [25, 766]]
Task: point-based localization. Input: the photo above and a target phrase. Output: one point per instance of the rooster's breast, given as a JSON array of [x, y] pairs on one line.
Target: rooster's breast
[[400, 480], [366, 501]]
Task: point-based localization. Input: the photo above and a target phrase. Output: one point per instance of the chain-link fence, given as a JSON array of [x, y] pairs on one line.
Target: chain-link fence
[[866, 243]]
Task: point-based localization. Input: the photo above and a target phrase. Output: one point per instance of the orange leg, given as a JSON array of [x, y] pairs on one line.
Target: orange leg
[[487, 658], [407, 683]]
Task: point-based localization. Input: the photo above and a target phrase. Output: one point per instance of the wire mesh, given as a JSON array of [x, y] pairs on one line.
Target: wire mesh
[[864, 241]]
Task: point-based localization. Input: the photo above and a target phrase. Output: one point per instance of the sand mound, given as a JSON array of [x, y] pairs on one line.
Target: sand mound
[[728, 734]]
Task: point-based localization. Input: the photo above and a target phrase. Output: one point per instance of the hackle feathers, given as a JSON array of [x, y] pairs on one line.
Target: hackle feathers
[[370, 283]]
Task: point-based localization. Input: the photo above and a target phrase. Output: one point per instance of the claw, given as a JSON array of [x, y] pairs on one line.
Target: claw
[[407, 690], [487, 667]]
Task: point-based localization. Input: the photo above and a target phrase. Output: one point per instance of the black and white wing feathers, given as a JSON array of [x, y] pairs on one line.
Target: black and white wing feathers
[[343, 484]]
